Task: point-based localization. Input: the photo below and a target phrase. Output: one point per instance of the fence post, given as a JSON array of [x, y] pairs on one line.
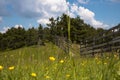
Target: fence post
[[93, 44], [103, 39], [112, 40], [80, 46]]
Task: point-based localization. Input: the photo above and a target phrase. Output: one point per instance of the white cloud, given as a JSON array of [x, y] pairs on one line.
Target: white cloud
[[39, 8], [5, 29], [42, 10], [17, 26], [73, 9], [88, 16], [83, 1], [43, 21], [0, 19]]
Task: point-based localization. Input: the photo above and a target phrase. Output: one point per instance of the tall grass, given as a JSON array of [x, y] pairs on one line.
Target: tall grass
[[36, 60]]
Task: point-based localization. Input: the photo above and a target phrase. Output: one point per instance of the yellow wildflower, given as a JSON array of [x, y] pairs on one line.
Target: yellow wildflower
[[61, 61], [47, 77], [11, 68], [52, 58], [67, 75], [1, 67], [33, 74]]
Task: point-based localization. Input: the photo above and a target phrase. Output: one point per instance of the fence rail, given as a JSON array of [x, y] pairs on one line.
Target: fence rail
[[66, 46], [104, 42]]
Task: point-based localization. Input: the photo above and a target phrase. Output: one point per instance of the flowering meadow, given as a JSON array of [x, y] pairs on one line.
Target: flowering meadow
[[51, 63]]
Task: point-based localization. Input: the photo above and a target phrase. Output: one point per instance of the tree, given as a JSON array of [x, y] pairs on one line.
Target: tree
[[18, 37], [47, 35], [31, 37], [15, 37]]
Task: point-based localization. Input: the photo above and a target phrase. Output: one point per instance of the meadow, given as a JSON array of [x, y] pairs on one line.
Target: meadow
[[51, 63]]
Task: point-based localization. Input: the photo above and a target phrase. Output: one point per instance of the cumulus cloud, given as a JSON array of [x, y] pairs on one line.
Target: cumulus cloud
[[43, 21], [17, 26], [5, 29], [42, 10], [88, 16], [39, 8], [83, 1]]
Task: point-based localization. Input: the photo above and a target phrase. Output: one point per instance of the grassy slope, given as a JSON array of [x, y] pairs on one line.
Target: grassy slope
[[36, 60]]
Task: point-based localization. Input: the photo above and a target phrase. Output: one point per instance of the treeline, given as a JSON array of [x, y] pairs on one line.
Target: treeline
[[18, 37]]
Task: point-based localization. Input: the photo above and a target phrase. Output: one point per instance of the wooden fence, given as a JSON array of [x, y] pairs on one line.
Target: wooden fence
[[104, 42], [66, 46]]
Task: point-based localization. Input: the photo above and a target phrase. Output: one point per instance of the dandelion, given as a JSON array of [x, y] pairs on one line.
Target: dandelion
[[67, 75], [52, 58], [11, 68], [61, 61], [33, 74], [47, 77], [1, 67]]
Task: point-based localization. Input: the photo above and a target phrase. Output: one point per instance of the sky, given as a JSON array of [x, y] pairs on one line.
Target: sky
[[28, 13]]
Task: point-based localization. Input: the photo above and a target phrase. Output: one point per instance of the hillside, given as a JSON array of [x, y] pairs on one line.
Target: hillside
[[47, 63]]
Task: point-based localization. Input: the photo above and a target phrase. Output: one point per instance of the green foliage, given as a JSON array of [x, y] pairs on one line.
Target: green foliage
[[31, 36], [18, 37], [36, 60], [13, 38], [78, 29]]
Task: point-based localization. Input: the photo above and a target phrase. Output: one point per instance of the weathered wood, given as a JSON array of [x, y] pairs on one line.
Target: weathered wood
[[104, 42]]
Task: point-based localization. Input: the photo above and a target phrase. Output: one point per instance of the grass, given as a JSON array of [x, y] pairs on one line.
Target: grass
[[33, 63]]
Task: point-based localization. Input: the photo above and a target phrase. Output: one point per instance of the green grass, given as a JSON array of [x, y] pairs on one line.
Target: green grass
[[35, 59]]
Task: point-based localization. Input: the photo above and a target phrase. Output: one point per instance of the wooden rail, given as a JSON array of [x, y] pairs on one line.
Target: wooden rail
[[104, 42], [66, 46]]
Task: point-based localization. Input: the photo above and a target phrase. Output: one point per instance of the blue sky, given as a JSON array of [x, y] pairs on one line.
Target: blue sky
[[27, 13]]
